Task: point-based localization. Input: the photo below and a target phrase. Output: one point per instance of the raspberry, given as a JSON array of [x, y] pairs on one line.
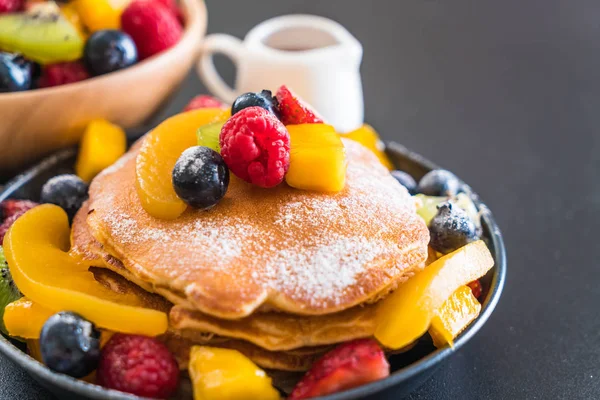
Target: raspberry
[[138, 365], [152, 26], [294, 110], [11, 211], [7, 6], [63, 73], [11, 207], [172, 5], [349, 365], [476, 288], [204, 101], [256, 147]]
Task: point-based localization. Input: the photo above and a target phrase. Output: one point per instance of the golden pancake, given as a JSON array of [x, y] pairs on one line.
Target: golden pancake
[[293, 360], [301, 252], [273, 331], [279, 331]]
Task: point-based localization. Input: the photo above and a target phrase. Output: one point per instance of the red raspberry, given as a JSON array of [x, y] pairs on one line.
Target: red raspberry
[[256, 147], [63, 73], [172, 5], [138, 365], [476, 288], [11, 211], [152, 26], [347, 366], [204, 101], [294, 110], [11, 207], [7, 6]]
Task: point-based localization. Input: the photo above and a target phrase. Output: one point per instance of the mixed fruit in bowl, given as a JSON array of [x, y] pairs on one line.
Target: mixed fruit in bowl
[[44, 43], [78, 326]]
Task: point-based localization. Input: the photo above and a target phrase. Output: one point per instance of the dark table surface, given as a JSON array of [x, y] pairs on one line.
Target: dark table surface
[[504, 93]]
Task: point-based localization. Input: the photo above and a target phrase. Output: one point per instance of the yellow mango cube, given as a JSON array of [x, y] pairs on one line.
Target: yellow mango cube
[[317, 158], [223, 374], [101, 145], [454, 316]]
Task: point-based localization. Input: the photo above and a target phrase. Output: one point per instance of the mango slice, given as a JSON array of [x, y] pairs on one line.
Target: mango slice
[[223, 374], [24, 318], [368, 137], [159, 153], [317, 158], [36, 249], [453, 317], [406, 314], [98, 14], [101, 145]]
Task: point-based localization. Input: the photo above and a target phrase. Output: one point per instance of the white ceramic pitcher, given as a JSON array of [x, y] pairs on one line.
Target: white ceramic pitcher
[[314, 56]]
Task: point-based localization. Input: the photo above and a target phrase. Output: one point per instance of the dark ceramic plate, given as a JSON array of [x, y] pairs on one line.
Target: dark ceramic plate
[[409, 370]]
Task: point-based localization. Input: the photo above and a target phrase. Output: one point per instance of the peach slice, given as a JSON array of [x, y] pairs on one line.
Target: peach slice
[[317, 158], [223, 374], [159, 153], [23, 318], [406, 314], [36, 249], [454, 316]]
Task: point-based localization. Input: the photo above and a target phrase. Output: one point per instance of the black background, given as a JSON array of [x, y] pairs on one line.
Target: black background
[[505, 94]]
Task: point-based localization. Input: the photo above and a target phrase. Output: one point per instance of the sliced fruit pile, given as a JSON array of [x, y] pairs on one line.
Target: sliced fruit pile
[[43, 44], [265, 140]]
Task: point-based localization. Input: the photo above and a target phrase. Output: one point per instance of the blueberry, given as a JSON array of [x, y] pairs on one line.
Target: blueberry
[[67, 191], [70, 344], [439, 182], [15, 73], [108, 51], [451, 228], [405, 180], [200, 177], [263, 99]]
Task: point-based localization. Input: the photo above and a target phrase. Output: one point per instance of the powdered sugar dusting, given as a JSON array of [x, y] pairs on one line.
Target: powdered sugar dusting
[[316, 249], [324, 272]]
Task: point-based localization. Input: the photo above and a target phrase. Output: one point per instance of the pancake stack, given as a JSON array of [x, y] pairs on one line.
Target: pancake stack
[[280, 274]]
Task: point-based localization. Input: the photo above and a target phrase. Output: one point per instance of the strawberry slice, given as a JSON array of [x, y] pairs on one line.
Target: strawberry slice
[[203, 101], [349, 365], [294, 110]]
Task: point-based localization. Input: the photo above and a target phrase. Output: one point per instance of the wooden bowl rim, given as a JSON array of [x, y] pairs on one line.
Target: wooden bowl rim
[[195, 28]]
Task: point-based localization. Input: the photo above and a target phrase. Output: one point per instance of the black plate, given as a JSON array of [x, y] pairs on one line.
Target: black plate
[[410, 369]]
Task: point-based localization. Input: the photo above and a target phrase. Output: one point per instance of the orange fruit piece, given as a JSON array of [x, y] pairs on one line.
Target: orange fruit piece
[[454, 316], [368, 137], [317, 158], [36, 249], [224, 374], [157, 157], [101, 145], [406, 314], [23, 318], [98, 14]]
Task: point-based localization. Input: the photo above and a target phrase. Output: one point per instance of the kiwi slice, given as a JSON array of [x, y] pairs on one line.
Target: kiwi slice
[[208, 135], [8, 289], [41, 34]]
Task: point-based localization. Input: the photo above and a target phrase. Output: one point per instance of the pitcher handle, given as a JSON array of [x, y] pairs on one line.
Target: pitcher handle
[[227, 45]]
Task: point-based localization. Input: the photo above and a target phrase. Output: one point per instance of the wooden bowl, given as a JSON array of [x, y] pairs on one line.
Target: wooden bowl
[[39, 121]]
